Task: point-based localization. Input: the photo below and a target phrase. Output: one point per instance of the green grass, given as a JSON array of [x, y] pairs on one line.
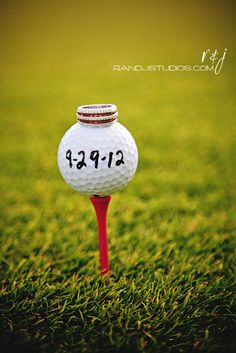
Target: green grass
[[171, 231]]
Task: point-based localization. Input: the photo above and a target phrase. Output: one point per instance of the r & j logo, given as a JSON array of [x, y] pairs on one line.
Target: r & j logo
[[211, 60]]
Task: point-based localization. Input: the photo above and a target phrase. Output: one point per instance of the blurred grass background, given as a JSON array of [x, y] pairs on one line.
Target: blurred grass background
[[171, 231]]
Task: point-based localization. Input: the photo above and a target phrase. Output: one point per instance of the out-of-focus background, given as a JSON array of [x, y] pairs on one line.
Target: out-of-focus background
[[170, 231]]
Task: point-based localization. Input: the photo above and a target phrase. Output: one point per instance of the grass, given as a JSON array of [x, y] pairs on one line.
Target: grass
[[171, 231]]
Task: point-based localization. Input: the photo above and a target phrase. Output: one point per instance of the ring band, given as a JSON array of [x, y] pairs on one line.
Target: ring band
[[97, 114]]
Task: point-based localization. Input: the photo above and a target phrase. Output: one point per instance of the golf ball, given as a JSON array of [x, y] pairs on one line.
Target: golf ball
[[97, 155]]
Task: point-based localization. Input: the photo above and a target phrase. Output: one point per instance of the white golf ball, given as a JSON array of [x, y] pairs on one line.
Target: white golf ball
[[97, 155]]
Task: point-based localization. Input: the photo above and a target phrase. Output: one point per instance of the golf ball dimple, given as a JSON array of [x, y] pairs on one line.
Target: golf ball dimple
[[97, 160]]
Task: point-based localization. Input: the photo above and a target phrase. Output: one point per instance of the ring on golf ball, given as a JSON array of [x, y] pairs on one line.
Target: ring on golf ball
[[97, 155]]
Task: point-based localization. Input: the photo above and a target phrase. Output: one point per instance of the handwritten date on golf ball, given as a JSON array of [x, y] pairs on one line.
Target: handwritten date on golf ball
[[80, 160]]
